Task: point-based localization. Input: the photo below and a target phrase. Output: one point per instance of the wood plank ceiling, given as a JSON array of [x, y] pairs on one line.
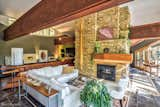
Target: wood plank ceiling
[[48, 13]]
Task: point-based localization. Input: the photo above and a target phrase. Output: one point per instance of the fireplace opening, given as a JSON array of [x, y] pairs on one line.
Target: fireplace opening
[[107, 72]]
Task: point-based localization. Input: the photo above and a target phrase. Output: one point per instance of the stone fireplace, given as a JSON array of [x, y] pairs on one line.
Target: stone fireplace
[[86, 32], [112, 66], [107, 72]]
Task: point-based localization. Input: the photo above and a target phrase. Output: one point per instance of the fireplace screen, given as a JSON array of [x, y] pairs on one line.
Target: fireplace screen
[[106, 72]]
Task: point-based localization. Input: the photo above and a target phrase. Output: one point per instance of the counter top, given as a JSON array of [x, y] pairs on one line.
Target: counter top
[[37, 65]]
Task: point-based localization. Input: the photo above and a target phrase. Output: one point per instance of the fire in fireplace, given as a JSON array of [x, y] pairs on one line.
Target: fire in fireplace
[[107, 72]]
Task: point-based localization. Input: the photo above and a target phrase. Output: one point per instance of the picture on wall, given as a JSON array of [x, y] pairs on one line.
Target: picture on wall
[[29, 58], [43, 55], [17, 56], [105, 33]]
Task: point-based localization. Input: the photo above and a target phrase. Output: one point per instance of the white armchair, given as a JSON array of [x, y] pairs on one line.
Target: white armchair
[[119, 91]]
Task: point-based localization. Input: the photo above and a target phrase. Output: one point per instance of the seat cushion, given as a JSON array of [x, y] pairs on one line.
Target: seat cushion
[[56, 71], [117, 94], [62, 87], [46, 72], [68, 69], [67, 77]]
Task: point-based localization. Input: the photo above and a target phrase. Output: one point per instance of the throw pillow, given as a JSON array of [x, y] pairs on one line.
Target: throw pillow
[[68, 69]]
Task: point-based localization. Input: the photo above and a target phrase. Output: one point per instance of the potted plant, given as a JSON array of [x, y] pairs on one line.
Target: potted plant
[[97, 47], [96, 50], [95, 94]]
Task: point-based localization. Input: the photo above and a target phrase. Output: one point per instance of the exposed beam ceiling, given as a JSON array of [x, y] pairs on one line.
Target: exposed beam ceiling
[[16, 8], [139, 9], [52, 12], [146, 31]]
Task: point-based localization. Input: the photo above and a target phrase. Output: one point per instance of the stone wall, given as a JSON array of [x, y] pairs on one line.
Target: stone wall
[[86, 34]]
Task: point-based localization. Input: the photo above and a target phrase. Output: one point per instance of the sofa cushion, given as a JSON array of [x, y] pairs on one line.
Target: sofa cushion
[[46, 72], [67, 77], [63, 87], [123, 83], [57, 70], [68, 69], [65, 65]]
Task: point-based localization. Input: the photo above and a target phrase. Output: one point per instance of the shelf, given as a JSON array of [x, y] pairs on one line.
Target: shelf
[[114, 58]]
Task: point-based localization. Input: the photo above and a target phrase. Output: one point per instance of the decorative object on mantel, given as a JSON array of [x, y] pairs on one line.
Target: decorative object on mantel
[[96, 51], [29, 58], [97, 47], [105, 33], [95, 94], [43, 55], [106, 50]]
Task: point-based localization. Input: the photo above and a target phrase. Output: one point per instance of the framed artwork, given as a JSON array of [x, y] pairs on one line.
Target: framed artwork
[[43, 55], [17, 56], [29, 58], [105, 33]]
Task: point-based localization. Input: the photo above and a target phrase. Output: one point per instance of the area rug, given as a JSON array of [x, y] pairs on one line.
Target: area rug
[[141, 100], [157, 83]]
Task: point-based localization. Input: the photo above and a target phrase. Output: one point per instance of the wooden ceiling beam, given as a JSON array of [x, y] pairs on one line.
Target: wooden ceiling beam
[[148, 31], [48, 13]]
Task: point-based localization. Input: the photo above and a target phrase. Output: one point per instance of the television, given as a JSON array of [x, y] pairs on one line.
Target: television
[[70, 52]]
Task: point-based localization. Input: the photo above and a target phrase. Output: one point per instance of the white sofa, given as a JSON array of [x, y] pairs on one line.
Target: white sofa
[[70, 95], [54, 77]]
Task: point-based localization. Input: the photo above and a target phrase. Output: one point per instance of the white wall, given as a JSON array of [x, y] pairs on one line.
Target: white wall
[[29, 43]]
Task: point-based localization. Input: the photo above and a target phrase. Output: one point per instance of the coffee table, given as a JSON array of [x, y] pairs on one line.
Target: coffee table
[[48, 98]]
